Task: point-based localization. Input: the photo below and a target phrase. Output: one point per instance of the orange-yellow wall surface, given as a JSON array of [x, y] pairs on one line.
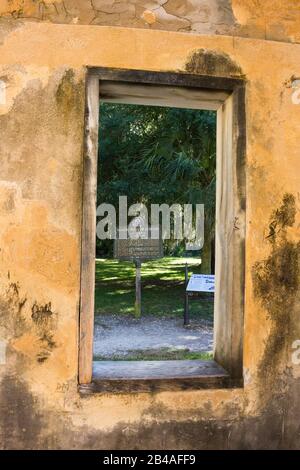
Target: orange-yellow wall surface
[[43, 61]]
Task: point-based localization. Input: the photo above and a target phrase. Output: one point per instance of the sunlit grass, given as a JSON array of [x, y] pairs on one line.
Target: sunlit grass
[[163, 288]]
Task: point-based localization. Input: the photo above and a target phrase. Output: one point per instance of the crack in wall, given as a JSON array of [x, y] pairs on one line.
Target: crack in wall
[[229, 17], [118, 13]]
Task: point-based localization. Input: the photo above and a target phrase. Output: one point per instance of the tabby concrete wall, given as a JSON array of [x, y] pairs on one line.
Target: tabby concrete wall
[[268, 19], [42, 72]]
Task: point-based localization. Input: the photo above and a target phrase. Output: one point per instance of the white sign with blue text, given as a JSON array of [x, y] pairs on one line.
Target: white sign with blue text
[[201, 283]]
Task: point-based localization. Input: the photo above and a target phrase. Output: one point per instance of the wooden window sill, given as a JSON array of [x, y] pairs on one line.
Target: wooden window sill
[[156, 376]]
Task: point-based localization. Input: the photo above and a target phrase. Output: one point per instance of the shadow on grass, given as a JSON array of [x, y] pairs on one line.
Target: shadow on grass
[[163, 288]]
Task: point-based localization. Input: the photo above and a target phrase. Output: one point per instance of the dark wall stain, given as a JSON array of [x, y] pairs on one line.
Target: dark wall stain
[[42, 315], [277, 279], [20, 422], [28, 426], [292, 415], [276, 284], [25, 423], [9, 203], [69, 96], [14, 322], [282, 218], [12, 319], [208, 62], [44, 320]]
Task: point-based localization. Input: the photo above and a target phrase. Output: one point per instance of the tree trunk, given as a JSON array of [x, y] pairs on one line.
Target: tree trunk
[[206, 255], [213, 254]]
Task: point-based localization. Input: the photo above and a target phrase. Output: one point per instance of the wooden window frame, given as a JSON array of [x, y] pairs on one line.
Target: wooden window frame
[[227, 97]]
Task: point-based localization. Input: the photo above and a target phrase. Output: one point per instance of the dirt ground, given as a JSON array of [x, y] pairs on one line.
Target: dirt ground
[[124, 337]]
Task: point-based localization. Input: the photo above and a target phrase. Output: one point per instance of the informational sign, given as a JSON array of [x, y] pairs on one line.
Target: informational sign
[[138, 249], [201, 283], [142, 249]]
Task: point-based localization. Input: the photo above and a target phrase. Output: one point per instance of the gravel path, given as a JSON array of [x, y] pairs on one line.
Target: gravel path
[[120, 335]]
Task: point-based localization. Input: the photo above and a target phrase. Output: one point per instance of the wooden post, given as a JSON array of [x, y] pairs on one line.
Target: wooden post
[[186, 320], [138, 288], [186, 274], [186, 316], [87, 289]]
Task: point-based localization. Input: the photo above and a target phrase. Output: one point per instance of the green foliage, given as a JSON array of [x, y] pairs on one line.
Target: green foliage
[[147, 150], [157, 155]]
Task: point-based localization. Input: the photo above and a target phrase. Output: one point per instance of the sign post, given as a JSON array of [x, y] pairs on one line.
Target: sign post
[[138, 288], [197, 283], [138, 250], [186, 319]]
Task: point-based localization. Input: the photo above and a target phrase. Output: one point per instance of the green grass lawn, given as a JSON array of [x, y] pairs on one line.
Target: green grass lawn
[[162, 288]]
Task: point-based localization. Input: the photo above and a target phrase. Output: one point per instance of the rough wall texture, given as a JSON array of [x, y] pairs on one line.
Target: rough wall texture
[[41, 137], [269, 19]]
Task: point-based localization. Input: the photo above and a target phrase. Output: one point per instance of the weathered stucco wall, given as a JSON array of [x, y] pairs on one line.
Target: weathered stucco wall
[[41, 143]]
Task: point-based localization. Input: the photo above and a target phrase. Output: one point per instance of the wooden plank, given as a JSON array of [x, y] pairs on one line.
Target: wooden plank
[[230, 236], [239, 223], [178, 79], [155, 376], [224, 232], [156, 369], [158, 385], [86, 328], [156, 95]]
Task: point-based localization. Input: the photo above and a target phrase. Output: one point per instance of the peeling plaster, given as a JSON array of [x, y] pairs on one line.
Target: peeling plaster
[[249, 18]]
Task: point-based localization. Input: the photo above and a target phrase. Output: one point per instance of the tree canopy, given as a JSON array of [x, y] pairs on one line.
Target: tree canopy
[[157, 155]]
